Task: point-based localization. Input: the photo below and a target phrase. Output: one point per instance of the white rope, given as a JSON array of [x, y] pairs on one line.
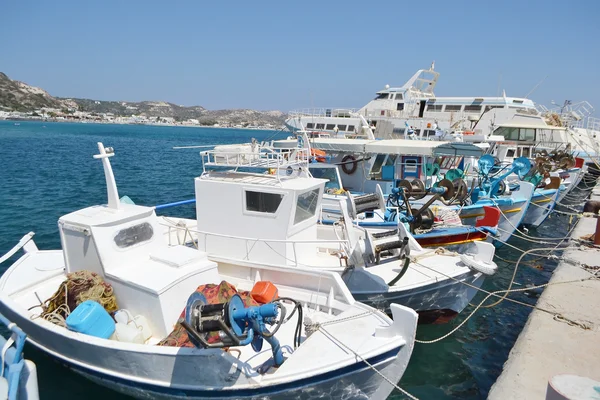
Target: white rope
[[334, 339]]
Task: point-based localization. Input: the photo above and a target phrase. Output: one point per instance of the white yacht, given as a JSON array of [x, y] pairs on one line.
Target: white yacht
[[411, 109]]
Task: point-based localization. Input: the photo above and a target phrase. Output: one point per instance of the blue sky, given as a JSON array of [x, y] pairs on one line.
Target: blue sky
[[286, 55]]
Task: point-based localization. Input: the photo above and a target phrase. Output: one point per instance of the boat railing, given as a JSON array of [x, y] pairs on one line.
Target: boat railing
[[195, 237], [265, 157], [324, 112]]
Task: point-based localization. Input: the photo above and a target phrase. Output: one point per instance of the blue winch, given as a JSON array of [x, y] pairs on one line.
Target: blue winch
[[491, 178], [236, 324]]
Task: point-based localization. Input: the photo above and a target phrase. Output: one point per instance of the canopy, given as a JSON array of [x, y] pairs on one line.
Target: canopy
[[398, 146]]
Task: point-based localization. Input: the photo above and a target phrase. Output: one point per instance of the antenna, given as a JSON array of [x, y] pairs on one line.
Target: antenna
[[499, 82], [535, 87], [111, 185]]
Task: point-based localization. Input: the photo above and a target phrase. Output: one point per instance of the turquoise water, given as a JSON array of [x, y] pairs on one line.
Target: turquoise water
[[47, 170]]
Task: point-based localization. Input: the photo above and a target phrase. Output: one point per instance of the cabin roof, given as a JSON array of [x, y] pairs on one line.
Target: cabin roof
[[397, 146], [290, 183]]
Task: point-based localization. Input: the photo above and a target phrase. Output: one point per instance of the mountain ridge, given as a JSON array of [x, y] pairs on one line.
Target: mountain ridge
[[17, 96]]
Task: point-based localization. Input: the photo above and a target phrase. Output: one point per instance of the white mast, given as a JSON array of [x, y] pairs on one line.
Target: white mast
[[111, 185]]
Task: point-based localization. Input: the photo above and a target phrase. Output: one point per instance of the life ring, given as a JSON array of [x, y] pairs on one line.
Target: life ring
[[349, 160]]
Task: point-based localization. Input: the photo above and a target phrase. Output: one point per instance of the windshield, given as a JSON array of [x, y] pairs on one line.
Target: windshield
[[327, 173]]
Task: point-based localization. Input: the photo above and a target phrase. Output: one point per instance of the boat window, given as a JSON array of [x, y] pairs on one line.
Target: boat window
[[310, 125], [342, 127], [510, 153], [527, 134], [472, 108], [376, 168], [451, 107], [381, 161], [350, 128], [263, 202], [382, 96], [320, 126], [525, 152], [435, 107], [410, 166], [133, 235], [306, 205], [330, 127], [398, 96], [327, 173], [518, 101], [399, 106]]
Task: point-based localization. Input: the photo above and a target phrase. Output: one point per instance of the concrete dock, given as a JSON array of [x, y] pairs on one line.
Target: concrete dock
[[547, 347]]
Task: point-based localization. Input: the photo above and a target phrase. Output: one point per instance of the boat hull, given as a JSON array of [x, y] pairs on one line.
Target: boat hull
[[435, 303], [542, 204], [170, 374]]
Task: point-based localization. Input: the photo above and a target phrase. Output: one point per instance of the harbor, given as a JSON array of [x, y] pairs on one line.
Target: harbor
[[444, 343], [561, 334]]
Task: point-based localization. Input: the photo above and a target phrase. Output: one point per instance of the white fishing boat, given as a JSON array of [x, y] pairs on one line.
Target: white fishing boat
[[272, 219], [347, 349]]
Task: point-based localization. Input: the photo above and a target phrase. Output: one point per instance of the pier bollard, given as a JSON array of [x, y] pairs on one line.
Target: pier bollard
[[572, 387], [593, 206]]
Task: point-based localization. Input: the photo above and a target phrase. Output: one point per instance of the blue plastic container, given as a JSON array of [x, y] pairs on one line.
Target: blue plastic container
[[92, 319]]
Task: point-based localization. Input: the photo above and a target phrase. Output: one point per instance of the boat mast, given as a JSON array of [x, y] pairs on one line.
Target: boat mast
[[111, 185]]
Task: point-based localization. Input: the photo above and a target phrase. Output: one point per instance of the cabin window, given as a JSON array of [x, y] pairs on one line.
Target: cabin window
[[399, 106], [382, 96], [518, 101], [133, 235], [527, 134], [342, 127], [320, 126], [525, 152], [330, 127], [350, 128], [510, 153], [399, 131], [310, 125], [451, 108], [435, 107], [380, 161], [327, 173], [472, 108], [306, 205], [398, 96], [263, 202]]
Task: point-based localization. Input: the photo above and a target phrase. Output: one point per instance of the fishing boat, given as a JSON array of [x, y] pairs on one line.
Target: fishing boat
[[445, 229], [272, 219], [417, 166], [190, 324]]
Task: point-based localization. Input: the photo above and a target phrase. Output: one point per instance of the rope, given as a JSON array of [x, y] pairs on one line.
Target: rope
[[334, 339]]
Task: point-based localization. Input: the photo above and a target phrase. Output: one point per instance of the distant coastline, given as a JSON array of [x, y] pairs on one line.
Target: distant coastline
[[260, 128]]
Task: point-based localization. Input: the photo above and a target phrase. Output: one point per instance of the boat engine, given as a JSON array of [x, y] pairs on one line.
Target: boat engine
[[236, 324]]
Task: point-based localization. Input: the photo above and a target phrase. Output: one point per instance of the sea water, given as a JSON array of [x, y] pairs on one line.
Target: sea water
[[47, 170]]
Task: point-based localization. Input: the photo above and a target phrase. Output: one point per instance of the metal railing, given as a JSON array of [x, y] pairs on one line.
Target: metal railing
[[324, 112], [265, 157], [250, 243]]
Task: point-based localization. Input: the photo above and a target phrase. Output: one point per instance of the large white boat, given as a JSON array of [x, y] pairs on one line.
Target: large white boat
[[272, 219], [411, 109], [350, 351]]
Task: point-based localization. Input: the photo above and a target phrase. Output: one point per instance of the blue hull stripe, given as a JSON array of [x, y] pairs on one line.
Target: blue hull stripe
[[236, 393]]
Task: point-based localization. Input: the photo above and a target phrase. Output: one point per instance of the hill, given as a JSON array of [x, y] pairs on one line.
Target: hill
[[20, 97]]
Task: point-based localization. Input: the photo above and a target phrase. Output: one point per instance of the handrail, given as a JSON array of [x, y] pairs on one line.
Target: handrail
[[342, 244], [252, 239]]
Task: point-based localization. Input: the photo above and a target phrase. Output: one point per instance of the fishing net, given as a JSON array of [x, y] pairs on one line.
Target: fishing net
[[215, 294], [77, 288]]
